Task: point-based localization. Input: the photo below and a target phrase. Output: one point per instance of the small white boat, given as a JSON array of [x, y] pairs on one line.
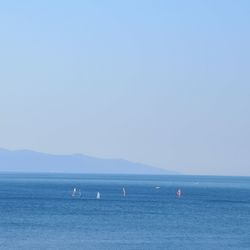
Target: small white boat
[[124, 191], [178, 193], [157, 187], [98, 196], [76, 193]]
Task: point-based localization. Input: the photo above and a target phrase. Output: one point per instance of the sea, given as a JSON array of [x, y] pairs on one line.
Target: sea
[[38, 211]]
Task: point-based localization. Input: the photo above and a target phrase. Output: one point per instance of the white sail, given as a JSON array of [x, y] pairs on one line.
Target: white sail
[[178, 193], [74, 192], [98, 196], [124, 191]]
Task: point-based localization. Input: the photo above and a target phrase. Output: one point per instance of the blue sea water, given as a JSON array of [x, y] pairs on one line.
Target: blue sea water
[[37, 211]]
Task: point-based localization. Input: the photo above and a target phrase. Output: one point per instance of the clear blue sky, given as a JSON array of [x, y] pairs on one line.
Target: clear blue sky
[[165, 83]]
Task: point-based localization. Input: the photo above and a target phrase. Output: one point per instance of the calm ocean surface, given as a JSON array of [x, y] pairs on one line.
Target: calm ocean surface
[[37, 211]]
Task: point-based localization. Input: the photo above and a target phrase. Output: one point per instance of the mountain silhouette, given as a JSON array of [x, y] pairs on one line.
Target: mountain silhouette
[[31, 161]]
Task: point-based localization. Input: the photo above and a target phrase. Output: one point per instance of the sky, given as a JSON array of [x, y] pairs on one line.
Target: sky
[[166, 83]]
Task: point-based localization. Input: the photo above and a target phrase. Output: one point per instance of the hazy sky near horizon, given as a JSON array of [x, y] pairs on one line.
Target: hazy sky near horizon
[[165, 83]]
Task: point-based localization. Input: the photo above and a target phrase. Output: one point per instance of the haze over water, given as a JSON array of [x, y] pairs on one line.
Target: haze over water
[[164, 83], [38, 212]]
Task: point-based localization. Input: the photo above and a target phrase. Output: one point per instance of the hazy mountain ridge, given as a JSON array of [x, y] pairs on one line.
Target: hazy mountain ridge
[[31, 161]]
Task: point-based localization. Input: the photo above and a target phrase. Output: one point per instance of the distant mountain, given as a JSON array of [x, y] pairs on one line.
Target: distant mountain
[[30, 161]]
